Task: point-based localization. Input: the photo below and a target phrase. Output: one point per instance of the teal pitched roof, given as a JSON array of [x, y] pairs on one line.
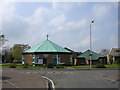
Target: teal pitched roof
[[47, 46], [86, 54]]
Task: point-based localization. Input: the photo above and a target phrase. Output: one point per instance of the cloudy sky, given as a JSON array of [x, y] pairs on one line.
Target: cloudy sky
[[66, 23]]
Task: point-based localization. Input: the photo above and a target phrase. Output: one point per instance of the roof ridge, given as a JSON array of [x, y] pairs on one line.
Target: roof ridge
[[89, 52], [40, 45], [83, 53], [97, 53], [53, 46]]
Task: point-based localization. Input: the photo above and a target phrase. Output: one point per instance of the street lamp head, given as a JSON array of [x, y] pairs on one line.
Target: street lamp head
[[92, 21]]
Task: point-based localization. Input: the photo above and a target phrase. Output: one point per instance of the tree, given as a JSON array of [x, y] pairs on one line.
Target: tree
[[7, 56], [14, 52], [17, 52], [2, 40], [25, 47], [104, 52], [111, 60], [18, 49]]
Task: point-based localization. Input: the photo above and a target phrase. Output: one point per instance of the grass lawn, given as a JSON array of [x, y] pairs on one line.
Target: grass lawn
[[75, 67], [88, 66], [82, 66], [7, 65], [21, 66], [112, 66]]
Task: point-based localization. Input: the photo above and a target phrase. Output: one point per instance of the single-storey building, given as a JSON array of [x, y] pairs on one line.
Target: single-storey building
[[84, 58], [74, 55], [114, 55], [46, 53]]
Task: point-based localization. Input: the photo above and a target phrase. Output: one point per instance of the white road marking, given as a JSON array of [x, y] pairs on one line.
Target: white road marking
[[11, 83], [53, 86], [1, 70]]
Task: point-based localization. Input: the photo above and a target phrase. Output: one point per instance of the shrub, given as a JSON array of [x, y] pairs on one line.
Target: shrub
[[44, 66], [26, 65], [111, 60], [50, 65], [60, 66], [67, 65], [15, 61], [12, 65], [100, 65], [118, 61]]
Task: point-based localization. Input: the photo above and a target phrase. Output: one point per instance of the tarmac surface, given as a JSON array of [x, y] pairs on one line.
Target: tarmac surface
[[62, 78], [15, 79]]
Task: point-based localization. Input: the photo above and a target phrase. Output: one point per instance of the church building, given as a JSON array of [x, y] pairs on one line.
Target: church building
[[46, 53]]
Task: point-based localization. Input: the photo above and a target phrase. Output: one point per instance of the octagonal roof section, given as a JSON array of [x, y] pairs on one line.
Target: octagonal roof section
[[47, 46]]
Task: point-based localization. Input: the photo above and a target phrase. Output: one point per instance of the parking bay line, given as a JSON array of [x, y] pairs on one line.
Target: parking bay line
[[11, 83]]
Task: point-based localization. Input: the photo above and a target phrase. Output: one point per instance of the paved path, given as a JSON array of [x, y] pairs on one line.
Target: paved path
[[15, 79]]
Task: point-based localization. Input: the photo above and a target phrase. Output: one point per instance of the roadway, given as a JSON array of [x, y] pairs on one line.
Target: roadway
[[62, 78]]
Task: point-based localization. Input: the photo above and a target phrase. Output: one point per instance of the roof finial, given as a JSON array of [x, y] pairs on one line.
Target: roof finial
[[47, 36]]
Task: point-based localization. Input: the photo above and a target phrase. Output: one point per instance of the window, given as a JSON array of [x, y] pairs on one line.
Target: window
[[100, 60], [56, 59], [70, 59], [116, 51], [82, 61], [55, 56], [37, 56], [40, 61]]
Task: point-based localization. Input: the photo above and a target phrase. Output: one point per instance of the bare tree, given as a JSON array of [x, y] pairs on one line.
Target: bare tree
[[104, 52], [2, 42]]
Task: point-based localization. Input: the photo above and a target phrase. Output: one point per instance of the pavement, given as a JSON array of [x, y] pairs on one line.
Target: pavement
[[62, 78]]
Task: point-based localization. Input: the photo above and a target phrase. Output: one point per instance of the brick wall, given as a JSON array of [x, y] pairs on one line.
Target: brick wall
[[64, 58], [93, 62], [28, 59], [87, 62]]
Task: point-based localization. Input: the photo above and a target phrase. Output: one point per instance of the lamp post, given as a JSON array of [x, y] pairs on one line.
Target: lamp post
[[90, 47]]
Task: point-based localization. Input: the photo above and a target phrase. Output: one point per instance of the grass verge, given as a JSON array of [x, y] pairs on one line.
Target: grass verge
[[112, 66], [75, 67], [82, 66]]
